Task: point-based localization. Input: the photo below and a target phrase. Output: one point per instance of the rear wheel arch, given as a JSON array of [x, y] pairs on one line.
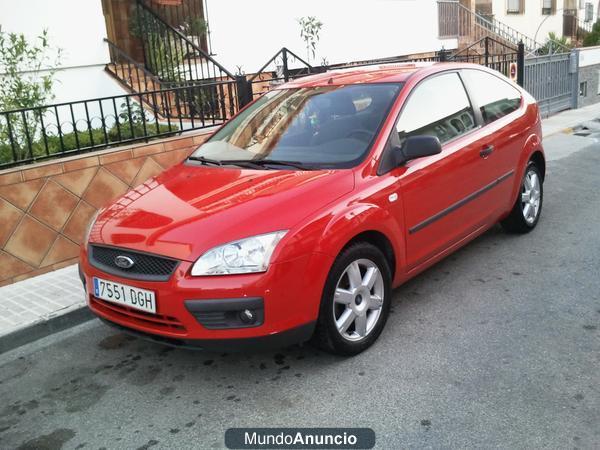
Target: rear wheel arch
[[538, 159]]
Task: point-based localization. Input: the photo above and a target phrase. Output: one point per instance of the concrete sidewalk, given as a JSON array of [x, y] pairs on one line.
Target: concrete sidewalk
[[564, 121], [37, 307]]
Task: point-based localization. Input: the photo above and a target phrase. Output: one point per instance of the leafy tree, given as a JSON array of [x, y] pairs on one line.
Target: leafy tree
[[310, 27], [593, 38], [27, 70], [27, 75]]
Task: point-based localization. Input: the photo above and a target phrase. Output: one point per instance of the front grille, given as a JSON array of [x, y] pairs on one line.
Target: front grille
[[158, 322], [145, 266]]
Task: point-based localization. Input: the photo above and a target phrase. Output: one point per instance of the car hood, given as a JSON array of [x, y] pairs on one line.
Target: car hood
[[187, 210]]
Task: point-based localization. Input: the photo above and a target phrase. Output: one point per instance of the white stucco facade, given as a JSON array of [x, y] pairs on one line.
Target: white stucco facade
[[244, 34], [248, 33], [532, 23], [78, 28]]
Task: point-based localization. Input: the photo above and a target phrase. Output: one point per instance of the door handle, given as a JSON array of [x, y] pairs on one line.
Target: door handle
[[486, 151]]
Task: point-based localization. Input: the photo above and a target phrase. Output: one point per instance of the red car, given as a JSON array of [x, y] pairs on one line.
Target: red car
[[299, 215]]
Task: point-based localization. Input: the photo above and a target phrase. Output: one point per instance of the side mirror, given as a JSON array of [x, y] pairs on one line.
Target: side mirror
[[417, 147]]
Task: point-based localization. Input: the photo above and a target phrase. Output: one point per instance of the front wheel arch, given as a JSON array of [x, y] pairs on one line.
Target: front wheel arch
[[379, 240]]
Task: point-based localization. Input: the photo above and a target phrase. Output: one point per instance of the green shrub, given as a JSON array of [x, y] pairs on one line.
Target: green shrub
[[87, 139]]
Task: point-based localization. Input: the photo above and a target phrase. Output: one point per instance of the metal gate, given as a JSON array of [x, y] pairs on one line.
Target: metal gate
[[550, 79]]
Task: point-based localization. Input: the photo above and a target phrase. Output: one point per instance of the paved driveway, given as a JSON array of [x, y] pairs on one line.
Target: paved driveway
[[497, 346]]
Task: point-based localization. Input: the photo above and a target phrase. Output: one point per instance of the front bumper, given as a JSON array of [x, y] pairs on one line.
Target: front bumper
[[203, 312], [273, 341]]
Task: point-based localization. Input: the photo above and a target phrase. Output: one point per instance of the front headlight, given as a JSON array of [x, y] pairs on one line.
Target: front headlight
[[249, 255]]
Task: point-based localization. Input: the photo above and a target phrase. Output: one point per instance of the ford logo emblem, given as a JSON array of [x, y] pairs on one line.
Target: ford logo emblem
[[124, 262]]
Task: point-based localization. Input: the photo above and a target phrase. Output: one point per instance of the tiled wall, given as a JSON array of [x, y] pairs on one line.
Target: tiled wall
[[45, 207]]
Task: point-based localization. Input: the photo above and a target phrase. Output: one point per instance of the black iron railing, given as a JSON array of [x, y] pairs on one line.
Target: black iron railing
[[494, 54], [129, 72], [186, 16], [63, 129], [28, 135], [278, 70], [171, 55]]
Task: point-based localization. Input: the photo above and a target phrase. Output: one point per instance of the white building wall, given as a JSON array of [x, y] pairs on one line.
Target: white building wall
[[532, 23], [78, 28], [248, 33]]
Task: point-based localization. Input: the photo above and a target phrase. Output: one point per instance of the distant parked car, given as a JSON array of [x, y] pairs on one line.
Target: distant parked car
[[297, 217]]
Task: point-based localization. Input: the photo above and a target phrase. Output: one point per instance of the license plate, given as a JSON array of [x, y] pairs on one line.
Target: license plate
[[133, 297]]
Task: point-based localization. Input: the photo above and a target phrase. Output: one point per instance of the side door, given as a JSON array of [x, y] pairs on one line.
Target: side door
[[446, 197], [500, 106]]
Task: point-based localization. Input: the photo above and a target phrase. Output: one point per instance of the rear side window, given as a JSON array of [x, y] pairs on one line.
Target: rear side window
[[437, 106], [495, 97]]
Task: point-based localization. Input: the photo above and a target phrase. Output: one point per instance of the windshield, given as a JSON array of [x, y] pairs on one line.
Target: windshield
[[320, 127]]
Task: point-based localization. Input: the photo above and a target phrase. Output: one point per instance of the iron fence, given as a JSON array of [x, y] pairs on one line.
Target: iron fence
[[64, 129], [129, 72], [486, 51], [277, 70], [494, 54], [162, 107], [186, 16], [550, 79], [171, 55]]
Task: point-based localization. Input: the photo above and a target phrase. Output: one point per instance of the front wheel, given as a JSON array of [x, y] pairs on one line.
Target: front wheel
[[356, 301], [527, 209]]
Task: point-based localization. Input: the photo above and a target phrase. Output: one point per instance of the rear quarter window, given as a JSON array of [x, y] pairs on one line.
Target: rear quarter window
[[495, 97]]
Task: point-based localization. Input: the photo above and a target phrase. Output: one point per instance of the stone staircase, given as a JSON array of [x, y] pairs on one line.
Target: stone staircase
[[174, 75], [457, 21]]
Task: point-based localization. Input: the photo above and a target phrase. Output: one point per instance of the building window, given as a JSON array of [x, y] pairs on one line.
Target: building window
[[583, 89], [589, 12], [570, 5], [515, 6], [548, 7]]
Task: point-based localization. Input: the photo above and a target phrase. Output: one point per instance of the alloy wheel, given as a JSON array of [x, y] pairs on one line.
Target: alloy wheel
[[531, 196], [358, 300]]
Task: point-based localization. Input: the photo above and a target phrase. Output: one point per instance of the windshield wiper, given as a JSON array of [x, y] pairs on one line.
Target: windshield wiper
[[205, 161], [231, 162], [272, 162], [244, 163], [251, 163]]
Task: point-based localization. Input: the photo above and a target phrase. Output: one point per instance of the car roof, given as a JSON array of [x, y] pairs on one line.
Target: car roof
[[388, 73]]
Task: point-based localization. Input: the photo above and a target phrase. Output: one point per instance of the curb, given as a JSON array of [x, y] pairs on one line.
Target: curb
[[41, 329]]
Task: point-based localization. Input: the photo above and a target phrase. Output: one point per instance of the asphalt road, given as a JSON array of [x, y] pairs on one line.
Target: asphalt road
[[497, 346]]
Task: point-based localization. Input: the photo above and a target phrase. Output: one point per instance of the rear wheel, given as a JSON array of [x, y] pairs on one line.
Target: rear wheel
[[527, 209], [355, 302]]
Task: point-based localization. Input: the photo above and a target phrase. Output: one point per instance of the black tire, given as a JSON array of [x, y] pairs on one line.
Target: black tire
[[516, 222], [327, 336]]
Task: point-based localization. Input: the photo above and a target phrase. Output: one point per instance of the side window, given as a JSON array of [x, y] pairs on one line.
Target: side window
[[438, 106], [496, 98]]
